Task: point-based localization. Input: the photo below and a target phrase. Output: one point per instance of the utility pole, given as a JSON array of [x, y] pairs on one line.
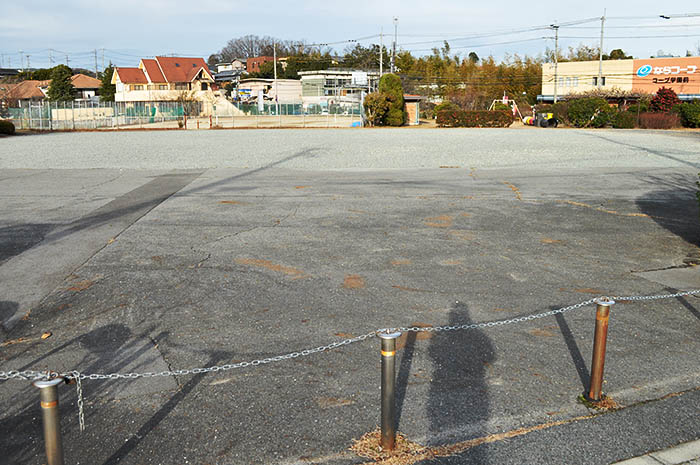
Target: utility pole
[[556, 58], [381, 52], [50, 59], [67, 60], [21, 60], [28, 65], [96, 75], [600, 50], [277, 103], [393, 50]]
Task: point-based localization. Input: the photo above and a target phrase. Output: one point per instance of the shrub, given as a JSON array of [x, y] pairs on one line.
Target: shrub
[[474, 119], [653, 120], [377, 106], [664, 100], [561, 112], [6, 127], [624, 120], [500, 106], [446, 105], [690, 114], [585, 112]]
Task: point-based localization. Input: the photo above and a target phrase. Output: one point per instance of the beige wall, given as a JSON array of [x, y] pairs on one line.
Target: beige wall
[[577, 76]]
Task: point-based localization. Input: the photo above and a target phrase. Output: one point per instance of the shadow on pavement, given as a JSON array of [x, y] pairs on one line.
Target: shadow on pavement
[[111, 348], [576, 356], [673, 205], [458, 404]]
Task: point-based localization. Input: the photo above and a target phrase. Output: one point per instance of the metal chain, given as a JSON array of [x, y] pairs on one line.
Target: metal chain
[[656, 297], [490, 324], [32, 375], [79, 388]]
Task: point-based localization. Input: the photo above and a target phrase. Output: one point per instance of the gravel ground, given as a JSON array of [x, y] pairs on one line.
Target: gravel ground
[[337, 149]]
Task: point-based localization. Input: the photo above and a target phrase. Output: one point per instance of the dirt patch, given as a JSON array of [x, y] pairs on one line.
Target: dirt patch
[[542, 332], [515, 190], [353, 281], [83, 285], [604, 210], [233, 202], [331, 402], [301, 187], [401, 262], [287, 270], [442, 221], [547, 240]]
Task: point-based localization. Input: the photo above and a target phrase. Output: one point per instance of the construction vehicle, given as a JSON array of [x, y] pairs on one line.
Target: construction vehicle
[[543, 120]]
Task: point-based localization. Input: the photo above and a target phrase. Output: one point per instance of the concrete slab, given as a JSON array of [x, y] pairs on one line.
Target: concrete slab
[[676, 278]]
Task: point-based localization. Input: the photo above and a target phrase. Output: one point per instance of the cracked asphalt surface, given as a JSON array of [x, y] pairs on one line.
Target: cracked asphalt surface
[[166, 251]]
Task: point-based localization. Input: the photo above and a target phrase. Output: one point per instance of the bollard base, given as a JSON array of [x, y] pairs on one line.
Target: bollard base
[[368, 447], [604, 404]]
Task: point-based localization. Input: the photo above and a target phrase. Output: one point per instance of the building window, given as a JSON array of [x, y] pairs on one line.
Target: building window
[[181, 86], [602, 81], [568, 82], [595, 81], [576, 81], [162, 87], [137, 87], [204, 86]]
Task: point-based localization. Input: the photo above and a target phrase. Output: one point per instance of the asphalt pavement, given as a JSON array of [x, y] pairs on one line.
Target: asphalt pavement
[[206, 249]]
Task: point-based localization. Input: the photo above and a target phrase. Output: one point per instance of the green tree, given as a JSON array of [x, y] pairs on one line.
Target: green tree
[[61, 88], [390, 84], [107, 89], [473, 57], [617, 54]]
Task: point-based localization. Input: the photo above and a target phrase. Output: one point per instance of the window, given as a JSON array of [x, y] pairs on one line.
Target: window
[[181, 86], [162, 87], [576, 81], [595, 81], [568, 82], [137, 87], [204, 86], [602, 81], [561, 81]]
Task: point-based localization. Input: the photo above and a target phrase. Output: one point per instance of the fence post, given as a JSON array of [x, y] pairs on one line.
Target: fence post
[[48, 394], [600, 337], [388, 433]]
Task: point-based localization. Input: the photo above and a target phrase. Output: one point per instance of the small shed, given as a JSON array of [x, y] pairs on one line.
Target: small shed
[[412, 106]]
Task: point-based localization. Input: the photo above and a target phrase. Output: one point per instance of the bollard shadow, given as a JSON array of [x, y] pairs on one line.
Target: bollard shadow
[[162, 413], [673, 205], [684, 301], [458, 403], [403, 375], [576, 356]]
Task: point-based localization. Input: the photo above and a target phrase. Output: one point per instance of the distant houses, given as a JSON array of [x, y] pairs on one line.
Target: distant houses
[[165, 79], [86, 88]]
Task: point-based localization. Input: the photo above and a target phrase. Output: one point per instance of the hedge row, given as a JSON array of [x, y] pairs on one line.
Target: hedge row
[[474, 119], [6, 127]]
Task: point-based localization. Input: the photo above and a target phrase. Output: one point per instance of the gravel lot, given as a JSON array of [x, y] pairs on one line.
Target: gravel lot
[[335, 149]]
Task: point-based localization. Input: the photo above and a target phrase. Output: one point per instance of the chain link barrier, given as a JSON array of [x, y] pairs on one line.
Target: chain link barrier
[[32, 375]]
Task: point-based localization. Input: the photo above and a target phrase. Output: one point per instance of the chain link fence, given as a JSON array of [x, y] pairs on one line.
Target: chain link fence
[[96, 115]]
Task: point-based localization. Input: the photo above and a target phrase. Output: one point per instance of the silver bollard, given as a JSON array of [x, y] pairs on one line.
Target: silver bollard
[[48, 394], [388, 435]]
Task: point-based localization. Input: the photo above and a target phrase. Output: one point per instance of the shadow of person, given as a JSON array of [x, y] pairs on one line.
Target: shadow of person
[[458, 404]]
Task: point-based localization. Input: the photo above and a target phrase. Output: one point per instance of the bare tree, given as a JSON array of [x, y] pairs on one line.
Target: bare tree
[[253, 46]]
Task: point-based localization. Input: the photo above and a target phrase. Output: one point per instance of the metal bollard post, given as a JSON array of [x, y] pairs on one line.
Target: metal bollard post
[[388, 438], [51, 419], [599, 340]]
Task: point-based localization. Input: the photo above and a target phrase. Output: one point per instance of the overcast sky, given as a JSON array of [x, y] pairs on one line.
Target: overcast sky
[[130, 29]]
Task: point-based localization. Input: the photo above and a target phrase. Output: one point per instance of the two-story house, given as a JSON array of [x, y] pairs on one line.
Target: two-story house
[[165, 79]]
